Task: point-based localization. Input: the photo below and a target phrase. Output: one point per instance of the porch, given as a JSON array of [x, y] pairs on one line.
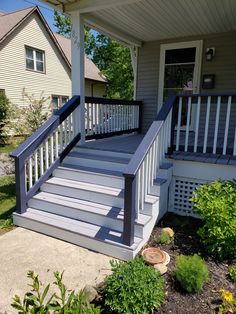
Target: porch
[[100, 172]]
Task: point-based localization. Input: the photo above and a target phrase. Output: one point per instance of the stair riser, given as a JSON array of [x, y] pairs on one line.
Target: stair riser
[[75, 238], [100, 164], [90, 217], [115, 182], [82, 194], [98, 152]]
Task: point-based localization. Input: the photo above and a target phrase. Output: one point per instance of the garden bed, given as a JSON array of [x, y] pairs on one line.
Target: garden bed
[[187, 242]]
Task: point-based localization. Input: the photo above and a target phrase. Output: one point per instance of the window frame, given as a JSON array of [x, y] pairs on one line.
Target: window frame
[[59, 101], [35, 59]]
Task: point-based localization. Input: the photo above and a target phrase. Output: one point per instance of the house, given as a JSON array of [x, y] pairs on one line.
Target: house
[[35, 58], [106, 194]]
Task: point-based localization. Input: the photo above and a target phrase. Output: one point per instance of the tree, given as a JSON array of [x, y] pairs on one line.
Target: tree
[[112, 58], [4, 114]]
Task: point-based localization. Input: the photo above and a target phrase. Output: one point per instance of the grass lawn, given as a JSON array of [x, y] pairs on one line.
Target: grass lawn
[[7, 202], [13, 144]]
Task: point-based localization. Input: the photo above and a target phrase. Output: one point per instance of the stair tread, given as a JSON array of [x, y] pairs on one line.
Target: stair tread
[[88, 206], [91, 169], [96, 232], [101, 149], [120, 160], [86, 186]]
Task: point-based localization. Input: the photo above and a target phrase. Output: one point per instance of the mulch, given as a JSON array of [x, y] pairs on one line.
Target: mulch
[[187, 242]]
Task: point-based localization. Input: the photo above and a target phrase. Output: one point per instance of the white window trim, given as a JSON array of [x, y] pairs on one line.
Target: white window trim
[[35, 59]]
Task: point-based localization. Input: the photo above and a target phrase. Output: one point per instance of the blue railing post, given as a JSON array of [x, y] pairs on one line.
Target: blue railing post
[[20, 186], [129, 210]]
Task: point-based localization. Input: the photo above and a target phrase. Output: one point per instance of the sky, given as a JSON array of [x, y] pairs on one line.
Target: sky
[[8, 6]]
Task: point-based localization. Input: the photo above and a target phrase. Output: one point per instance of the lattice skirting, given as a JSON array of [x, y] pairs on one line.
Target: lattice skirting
[[181, 190]]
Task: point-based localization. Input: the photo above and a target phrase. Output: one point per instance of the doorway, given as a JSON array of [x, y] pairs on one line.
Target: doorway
[[180, 68]]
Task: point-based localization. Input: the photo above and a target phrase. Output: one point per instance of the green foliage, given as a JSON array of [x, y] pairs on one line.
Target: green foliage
[[164, 238], [27, 120], [216, 203], [133, 287], [232, 272], [112, 58], [7, 201], [39, 301], [191, 272], [4, 115]]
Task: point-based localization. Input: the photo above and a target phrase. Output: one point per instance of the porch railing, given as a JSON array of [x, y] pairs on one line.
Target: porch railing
[[41, 153], [206, 124], [144, 166], [108, 117]]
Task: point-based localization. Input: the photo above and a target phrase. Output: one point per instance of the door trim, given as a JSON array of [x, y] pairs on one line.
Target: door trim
[[198, 44]]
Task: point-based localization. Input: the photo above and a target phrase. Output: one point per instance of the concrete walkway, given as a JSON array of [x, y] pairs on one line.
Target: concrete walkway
[[22, 250]]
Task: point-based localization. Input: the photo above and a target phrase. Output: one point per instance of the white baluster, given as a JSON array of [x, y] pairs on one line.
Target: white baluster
[[207, 124], [46, 154], [56, 143], [179, 123], [87, 117], [216, 124], [69, 128], [41, 161], [197, 124], [30, 172], [188, 124], [137, 194], [36, 175], [51, 149], [234, 151], [142, 183], [61, 137], [227, 125]]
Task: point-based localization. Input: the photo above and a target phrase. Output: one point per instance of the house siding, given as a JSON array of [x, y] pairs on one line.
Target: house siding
[[14, 76], [223, 66]]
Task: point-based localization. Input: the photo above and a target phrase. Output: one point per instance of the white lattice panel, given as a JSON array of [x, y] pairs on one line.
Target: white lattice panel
[[180, 192]]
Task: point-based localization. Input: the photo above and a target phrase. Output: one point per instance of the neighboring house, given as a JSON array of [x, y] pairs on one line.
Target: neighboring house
[[113, 191], [35, 58]]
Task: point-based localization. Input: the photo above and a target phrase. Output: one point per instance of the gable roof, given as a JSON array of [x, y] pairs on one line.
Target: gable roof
[[10, 21], [92, 72]]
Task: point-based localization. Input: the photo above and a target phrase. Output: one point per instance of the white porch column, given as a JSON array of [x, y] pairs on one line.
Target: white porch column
[[134, 60], [77, 71]]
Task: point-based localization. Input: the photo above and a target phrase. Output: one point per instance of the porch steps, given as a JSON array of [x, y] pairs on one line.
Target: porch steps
[[94, 237], [83, 203]]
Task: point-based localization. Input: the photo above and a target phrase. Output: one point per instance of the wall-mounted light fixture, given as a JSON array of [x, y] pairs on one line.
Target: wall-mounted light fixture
[[210, 53]]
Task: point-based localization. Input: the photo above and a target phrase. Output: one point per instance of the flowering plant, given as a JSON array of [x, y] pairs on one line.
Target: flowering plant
[[228, 304]]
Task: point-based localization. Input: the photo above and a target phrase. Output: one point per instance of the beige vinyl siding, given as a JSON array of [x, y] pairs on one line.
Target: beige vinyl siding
[[223, 66], [56, 79], [14, 76], [95, 89]]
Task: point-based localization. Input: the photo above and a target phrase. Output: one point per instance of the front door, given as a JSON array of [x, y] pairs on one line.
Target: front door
[[179, 71]]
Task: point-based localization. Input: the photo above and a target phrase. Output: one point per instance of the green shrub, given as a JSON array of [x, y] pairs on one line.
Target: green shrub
[[133, 287], [232, 272], [4, 114], [37, 301], [191, 272], [216, 203]]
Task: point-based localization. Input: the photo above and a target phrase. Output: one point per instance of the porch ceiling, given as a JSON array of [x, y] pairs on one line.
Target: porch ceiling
[[148, 20]]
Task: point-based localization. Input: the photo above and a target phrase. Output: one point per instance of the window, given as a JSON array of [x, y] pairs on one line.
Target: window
[[2, 92], [58, 102], [35, 59]]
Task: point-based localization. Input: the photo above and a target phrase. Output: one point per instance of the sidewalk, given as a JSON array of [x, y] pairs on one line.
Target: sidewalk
[[22, 250]]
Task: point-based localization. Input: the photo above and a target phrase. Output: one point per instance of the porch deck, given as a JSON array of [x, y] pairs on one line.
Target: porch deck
[[122, 144]]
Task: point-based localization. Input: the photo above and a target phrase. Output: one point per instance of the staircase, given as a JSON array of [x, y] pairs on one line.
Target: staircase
[[83, 201]]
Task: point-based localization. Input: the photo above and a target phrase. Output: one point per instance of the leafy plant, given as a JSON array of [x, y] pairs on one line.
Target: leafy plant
[[4, 115], [165, 238], [191, 272], [37, 301], [133, 287], [27, 120], [232, 272], [228, 304], [216, 203]]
